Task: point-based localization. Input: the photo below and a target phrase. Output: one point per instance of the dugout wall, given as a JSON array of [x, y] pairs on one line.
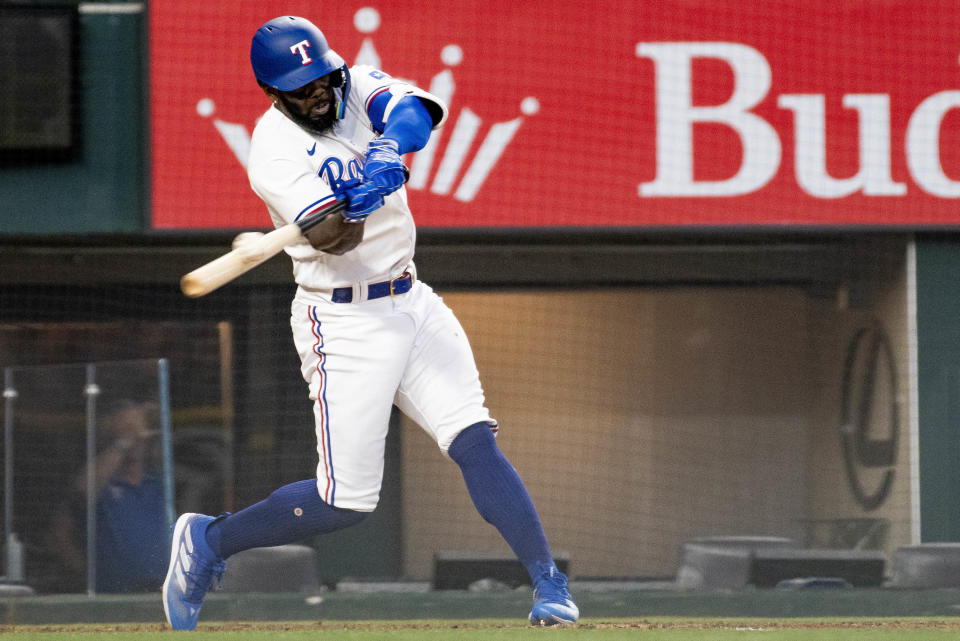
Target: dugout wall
[[663, 391], [646, 417]]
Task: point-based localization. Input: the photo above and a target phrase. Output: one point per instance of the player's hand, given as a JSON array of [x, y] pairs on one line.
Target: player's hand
[[247, 245], [383, 166], [363, 198]]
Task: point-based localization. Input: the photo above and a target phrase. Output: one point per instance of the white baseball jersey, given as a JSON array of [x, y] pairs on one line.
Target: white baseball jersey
[[362, 357], [292, 170]]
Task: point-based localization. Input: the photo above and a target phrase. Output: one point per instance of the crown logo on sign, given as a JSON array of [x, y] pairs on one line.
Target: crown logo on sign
[[454, 154]]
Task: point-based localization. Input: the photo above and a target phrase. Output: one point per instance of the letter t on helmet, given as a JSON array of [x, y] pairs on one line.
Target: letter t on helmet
[[289, 52]]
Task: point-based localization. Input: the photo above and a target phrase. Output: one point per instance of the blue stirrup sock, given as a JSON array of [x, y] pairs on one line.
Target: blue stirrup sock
[[500, 496], [291, 513]]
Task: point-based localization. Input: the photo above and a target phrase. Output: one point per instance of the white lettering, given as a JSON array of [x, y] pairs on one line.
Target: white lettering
[[676, 116], [810, 152], [923, 145]]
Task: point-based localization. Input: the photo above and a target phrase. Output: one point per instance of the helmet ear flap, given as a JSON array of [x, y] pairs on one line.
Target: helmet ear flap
[[344, 91]]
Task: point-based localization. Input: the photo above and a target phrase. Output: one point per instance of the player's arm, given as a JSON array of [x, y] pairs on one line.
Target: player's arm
[[405, 117], [292, 190], [333, 235], [336, 235], [408, 125]]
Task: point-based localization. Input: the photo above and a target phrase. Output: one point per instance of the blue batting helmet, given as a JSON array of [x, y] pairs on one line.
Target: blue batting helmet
[[289, 52]]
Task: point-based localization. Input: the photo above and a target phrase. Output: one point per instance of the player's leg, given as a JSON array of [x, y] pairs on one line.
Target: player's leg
[[291, 513], [503, 501], [500, 496], [441, 391], [352, 357], [202, 543], [349, 364], [340, 355]]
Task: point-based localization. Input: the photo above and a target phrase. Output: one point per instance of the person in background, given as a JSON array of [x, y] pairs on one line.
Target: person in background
[[132, 533]]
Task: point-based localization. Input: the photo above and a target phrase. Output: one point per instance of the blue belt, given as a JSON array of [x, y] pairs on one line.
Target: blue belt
[[399, 285]]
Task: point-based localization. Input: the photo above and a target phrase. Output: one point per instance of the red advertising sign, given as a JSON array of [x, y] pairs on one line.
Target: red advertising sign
[[611, 113]]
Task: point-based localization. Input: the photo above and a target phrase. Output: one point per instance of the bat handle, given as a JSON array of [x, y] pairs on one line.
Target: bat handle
[[309, 222], [209, 277]]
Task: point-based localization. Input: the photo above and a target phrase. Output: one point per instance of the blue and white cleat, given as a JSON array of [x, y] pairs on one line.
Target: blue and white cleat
[[552, 602], [193, 565]]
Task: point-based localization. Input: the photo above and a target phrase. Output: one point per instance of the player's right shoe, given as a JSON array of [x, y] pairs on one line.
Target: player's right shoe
[[193, 565], [552, 602]]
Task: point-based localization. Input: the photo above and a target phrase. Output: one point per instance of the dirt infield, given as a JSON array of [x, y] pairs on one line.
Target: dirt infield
[[482, 624]]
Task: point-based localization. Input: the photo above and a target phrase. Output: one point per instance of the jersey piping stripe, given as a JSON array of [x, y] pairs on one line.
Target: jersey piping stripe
[[330, 490], [366, 106], [316, 206]]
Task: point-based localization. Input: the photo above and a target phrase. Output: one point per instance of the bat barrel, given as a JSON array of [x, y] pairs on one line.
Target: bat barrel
[[209, 277]]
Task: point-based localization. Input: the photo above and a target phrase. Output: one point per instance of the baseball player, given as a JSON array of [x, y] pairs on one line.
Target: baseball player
[[369, 333]]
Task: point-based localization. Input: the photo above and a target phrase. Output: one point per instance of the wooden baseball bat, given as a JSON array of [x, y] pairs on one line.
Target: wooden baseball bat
[[208, 277]]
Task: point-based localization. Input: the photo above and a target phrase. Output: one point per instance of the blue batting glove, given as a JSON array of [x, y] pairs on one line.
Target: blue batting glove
[[383, 166], [363, 198]]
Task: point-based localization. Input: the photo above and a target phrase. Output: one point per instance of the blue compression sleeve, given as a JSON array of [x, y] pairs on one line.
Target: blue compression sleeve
[[409, 123]]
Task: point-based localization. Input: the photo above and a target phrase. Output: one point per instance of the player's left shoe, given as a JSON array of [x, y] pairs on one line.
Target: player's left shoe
[[193, 565], [552, 602]]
